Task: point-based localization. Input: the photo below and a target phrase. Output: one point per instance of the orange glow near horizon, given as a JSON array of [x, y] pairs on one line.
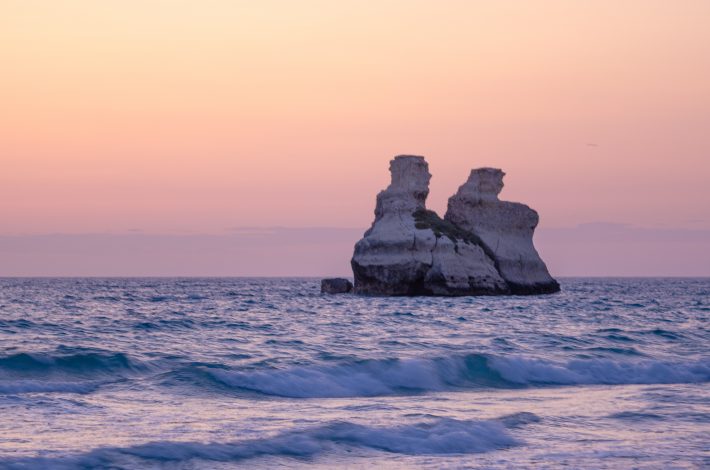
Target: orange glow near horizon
[[185, 116]]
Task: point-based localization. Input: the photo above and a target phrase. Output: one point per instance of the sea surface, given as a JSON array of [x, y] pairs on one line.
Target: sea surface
[[266, 373]]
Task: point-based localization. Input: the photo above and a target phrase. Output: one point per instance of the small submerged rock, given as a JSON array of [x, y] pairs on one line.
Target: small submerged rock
[[336, 285]]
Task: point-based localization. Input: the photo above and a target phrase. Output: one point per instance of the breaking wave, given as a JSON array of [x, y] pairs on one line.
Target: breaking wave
[[439, 436], [397, 376], [84, 372]]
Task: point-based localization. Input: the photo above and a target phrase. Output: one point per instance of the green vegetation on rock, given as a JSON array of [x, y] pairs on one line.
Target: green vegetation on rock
[[426, 219]]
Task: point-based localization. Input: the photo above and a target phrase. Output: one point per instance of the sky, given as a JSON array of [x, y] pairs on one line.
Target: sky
[[139, 119]]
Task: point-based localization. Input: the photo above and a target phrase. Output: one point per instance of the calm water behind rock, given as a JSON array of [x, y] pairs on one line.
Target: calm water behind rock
[[218, 373]]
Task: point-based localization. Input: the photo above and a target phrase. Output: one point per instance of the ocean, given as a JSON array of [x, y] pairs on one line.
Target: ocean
[[220, 373]]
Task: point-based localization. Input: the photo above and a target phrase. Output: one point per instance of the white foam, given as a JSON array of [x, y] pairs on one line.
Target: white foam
[[599, 371]]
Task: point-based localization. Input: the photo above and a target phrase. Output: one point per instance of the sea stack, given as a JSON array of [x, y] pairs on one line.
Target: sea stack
[[504, 230], [410, 250]]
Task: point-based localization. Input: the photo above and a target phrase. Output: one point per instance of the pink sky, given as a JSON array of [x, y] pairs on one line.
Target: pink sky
[[177, 117]]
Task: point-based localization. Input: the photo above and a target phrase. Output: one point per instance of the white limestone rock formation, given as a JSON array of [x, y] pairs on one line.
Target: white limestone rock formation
[[411, 251], [504, 230]]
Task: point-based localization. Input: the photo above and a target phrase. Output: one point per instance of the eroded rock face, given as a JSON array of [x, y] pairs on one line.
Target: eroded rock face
[[504, 230], [411, 251], [483, 246]]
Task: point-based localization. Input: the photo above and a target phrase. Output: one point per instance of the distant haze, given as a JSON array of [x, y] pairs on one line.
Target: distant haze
[[145, 131], [589, 250]]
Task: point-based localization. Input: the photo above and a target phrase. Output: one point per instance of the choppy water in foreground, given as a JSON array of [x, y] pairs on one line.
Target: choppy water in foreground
[[220, 373]]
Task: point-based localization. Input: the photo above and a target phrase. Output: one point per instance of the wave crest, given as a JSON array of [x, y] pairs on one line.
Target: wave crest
[[88, 361], [84, 371], [63, 371], [440, 436], [397, 376]]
